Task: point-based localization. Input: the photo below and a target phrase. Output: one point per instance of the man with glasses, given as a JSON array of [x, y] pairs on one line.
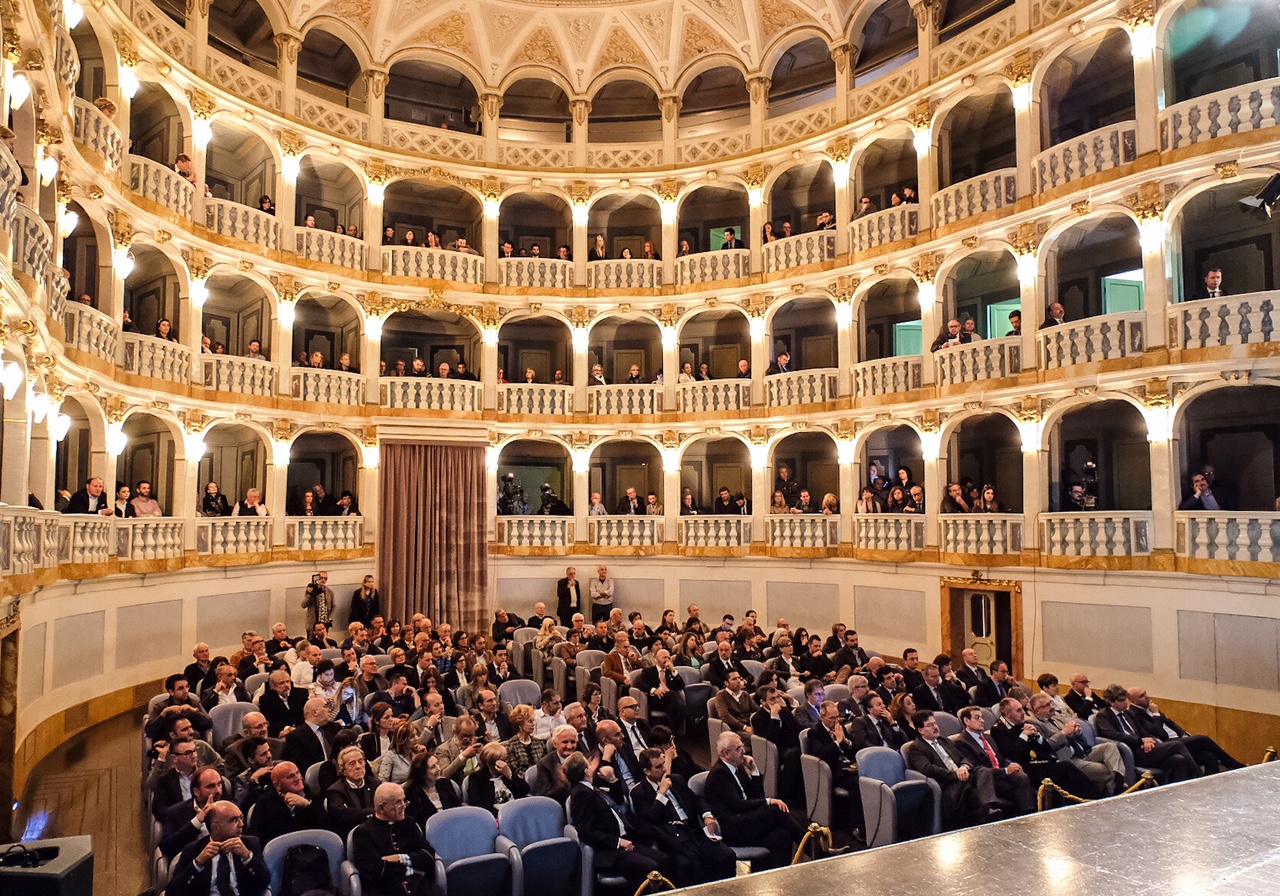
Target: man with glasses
[[968, 791], [634, 728], [184, 822], [223, 862], [1080, 699], [391, 855], [173, 777], [735, 796]]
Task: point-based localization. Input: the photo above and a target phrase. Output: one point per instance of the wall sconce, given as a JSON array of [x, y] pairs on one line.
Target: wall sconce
[[491, 207], [1029, 431], [128, 80], [73, 12], [196, 447], [1142, 40], [491, 457], [290, 166], [581, 215], [1151, 234], [581, 459], [1159, 423], [377, 193], [287, 312], [759, 457], [371, 456], [489, 336], [117, 441], [669, 209], [846, 451], [19, 90], [67, 221], [59, 426], [844, 314], [122, 261], [670, 460], [10, 378], [39, 406], [1022, 96], [756, 325], [926, 293], [670, 338], [930, 445], [581, 339], [280, 453], [48, 168], [199, 292], [922, 141], [1028, 268], [373, 326], [840, 169], [201, 132], [755, 196]]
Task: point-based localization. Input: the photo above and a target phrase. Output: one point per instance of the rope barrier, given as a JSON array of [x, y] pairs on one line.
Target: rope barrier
[[1047, 786], [817, 834], [654, 879], [1270, 755]]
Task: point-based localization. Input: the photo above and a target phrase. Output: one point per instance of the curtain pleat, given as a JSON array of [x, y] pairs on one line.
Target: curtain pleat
[[432, 552]]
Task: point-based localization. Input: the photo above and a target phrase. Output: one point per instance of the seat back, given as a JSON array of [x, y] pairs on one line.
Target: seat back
[[715, 728], [311, 778], [331, 653], [519, 655], [530, 775], [882, 764], [156, 701], [797, 694], [698, 783], [226, 719], [384, 662], [255, 681], [765, 753], [988, 718], [817, 784], [518, 691], [462, 833], [537, 668], [609, 694], [689, 674], [1086, 729], [696, 697], [273, 853], [948, 724], [590, 659], [755, 667], [559, 676], [531, 819], [836, 692]]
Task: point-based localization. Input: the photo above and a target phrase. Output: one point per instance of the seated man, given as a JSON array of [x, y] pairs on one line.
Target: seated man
[[876, 727], [1080, 700], [968, 791], [815, 664], [1117, 722], [183, 822], [224, 861], [180, 703], [994, 687], [1101, 763], [1208, 755], [939, 695], [1018, 740], [735, 796], [734, 706], [391, 855], [723, 663], [776, 723], [850, 659], [831, 743], [620, 662], [285, 807], [1012, 782], [282, 703], [663, 684], [550, 778], [602, 827]]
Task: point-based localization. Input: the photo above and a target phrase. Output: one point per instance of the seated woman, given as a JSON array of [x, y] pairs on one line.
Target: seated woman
[[902, 709], [547, 638], [779, 504], [494, 782], [868, 503], [897, 500], [690, 652], [393, 764], [213, 502], [523, 749], [987, 502], [831, 504], [425, 792]]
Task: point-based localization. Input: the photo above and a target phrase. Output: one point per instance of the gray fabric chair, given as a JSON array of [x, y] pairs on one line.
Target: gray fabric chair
[[891, 792], [748, 854], [274, 852], [546, 862]]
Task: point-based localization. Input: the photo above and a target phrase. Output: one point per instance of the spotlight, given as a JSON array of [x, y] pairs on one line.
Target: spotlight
[[1265, 198]]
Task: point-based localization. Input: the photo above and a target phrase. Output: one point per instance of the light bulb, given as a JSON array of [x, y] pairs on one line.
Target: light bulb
[[67, 222], [48, 170], [1027, 269], [491, 207], [922, 141], [581, 339], [128, 82], [123, 262], [927, 293], [59, 426], [373, 327], [669, 209], [73, 12], [757, 329], [370, 456], [581, 214], [201, 132], [280, 453], [1151, 234], [1022, 96], [670, 338], [19, 90], [196, 448], [117, 441], [377, 193], [490, 336], [290, 168], [11, 378]]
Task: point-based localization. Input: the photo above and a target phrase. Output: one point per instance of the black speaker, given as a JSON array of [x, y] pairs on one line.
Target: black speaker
[[62, 866]]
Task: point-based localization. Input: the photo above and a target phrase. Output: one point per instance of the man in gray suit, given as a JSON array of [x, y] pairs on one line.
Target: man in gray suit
[[1101, 763]]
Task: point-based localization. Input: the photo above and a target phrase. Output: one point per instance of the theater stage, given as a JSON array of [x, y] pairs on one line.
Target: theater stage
[[1215, 835]]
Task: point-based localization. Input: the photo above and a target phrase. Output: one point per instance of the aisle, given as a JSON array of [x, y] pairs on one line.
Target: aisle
[[91, 785]]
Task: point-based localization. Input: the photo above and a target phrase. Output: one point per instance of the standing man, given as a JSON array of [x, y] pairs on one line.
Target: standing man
[[318, 601], [1212, 287], [568, 595], [364, 603], [602, 590]]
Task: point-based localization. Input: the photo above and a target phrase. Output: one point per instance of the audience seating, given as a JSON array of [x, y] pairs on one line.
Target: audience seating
[[255, 681], [344, 882], [819, 789], [331, 653], [889, 791], [522, 645], [311, 779], [589, 662], [226, 720], [948, 724], [765, 753], [612, 882], [698, 784], [469, 859], [835, 692], [547, 862], [517, 691]]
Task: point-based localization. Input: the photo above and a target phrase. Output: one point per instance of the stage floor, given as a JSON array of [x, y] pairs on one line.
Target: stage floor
[[1214, 835]]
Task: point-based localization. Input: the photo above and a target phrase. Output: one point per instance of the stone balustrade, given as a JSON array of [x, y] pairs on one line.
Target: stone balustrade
[[986, 192], [542, 399], [32, 244], [97, 133], [709, 267], [713, 531], [158, 358], [1110, 533], [713, 396], [152, 538], [801, 249], [430, 393], [1240, 535], [799, 387], [244, 376], [986, 359], [1101, 338], [888, 376], [625, 398], [432, 264], [884, 227], [66, 61], [329, 248], [84, 538], [162, 185], [535, 273], [90, 331], [624, 273], [535, 531], [1248, 107], [21, 540], [327, 386], [803, 531], [258, 88], [981, 533], [233, 535], [241, 222], [1227, 320], [10, 187], [326, 533], [889, 531], [624, 531], [1099, 150]]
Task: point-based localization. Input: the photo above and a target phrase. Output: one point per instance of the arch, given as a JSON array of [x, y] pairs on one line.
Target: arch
[[793, 430], [984, 85], [180, 103], [980, 131], [547, 438], [320, 430], [704, 64], [617, 73], [315, 293], [231, 269], [534, 72], [863, 436], [1053, 416], [442, 57], [237, 122], [691, 313], [1101, 26], [321, 154], [956, 256], [524, 314], [260, 429], [865, 287], [340, 29], [171, 423], [1106, 58], [93, 26], [93, 412], [788, 38], [709, 437], [953, 423], [786, 303], [793, 164], [633, 439], [276, 15]]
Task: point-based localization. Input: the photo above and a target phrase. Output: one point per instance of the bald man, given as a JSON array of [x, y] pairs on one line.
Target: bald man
[[199, 870], [312, 741], [285, 807], [391, 855]]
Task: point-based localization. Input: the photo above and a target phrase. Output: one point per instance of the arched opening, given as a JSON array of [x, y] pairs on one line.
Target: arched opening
[[715, 100], [963, 14], [239, 166], [326, 459], [1087, 87], [799, 196], [150, 455], [428, 208], [151, 293], [890, 320], [987, 450], [418, 342], [155, 125], [976, 137], [1230, 436], [625, 111], [73, 456], [1096, 267], [242, 30], [329, 196], [237, 313], [81, 258], [236, 459], [803, 76], [1214, 45], [709, 465], [536, 224], [983, 286], [1218, 232], [92, 82], [719, 339], [887, 165], [893, 466], [626, 221], [626, 347], [535, 110], [623, 464], [811, 462], [424, 92], [805, 329], [707, 212], [1099, 459], [328, 326], [541, 344], [889, 39], [329, 69], [525, 468]]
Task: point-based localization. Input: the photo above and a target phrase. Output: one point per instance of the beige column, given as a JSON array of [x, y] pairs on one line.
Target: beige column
[[671, 504], [274, 497], [20, 453], [761, 497], [845, 57], [198, 26], [839, 152], [758, 90], [1147, 86], [581, 110], [375, 86], [670, 106], [668, 192], [490, 106], [368, 492], [287, 47], [582, 502]]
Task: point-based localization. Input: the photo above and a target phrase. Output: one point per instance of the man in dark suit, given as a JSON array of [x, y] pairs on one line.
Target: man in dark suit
[[782, 364], [911, 673], [663, 684], [226, 689], [1204, 749], [968, 791], [875, 728], [995, 687], [568, 596], [391, 855], [1117, 722], [680, 823], [723, 663], [970, 673], [1080, 699], [282, 703], [1012, 783], [936, 695], [634, 729], [1018, 739], [364, 603], [491, 719], [90, 499], [349, 800], [325, 505], [617, 753], [284, 807], [312, 741], [850, 658], [550, 780], [735, 795], [222, 862], [603, 828], [731, 240], [184, 822], [831, 743], [1211, 288], [630, 504], [1054, 316]]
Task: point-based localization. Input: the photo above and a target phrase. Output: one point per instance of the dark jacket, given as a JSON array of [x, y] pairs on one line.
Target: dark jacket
[[251, 877]]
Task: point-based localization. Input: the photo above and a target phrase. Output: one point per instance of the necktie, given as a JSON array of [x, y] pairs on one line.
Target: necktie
[[991, 754], [944, 755], [1124, 723], [738, 779], [880, 733], [223, 876], [675, 804], [1077, 749], [637, 742]]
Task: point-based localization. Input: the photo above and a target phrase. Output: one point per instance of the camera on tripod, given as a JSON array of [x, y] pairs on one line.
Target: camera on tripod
[[511, 497]]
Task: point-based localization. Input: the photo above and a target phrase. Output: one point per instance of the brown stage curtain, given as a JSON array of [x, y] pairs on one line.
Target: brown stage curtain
[[432, 551]]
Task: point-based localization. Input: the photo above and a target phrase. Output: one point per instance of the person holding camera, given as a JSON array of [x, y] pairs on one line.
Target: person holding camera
[[318, 601]]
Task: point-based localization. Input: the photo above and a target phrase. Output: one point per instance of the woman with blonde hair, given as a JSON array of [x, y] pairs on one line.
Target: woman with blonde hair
[[493, 782], [548, 637], [523, 749], [393, 765]]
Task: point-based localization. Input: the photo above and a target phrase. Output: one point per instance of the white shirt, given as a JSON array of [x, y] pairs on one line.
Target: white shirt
[[544, 724], [303, 674]]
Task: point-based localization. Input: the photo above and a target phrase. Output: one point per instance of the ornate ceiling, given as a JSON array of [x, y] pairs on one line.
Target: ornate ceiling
[[580, 42]]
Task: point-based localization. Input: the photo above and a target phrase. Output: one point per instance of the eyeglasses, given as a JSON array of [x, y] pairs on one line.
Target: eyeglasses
[[184, 752]]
